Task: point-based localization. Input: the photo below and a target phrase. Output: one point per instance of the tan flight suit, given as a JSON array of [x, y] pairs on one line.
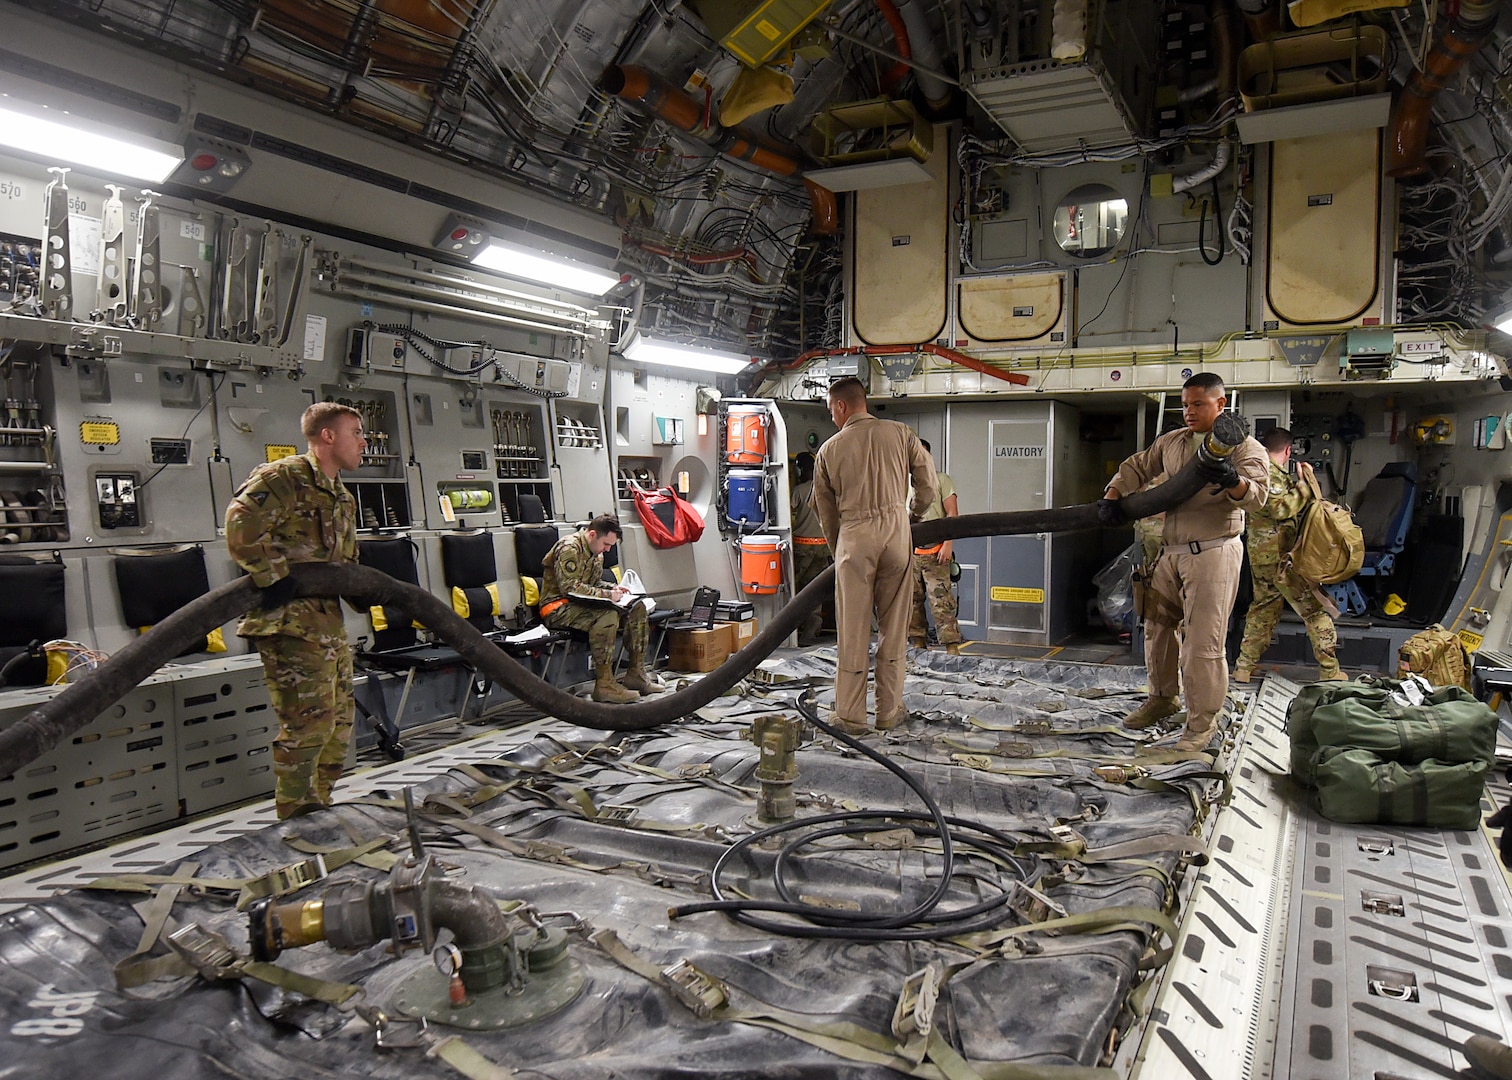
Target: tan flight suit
[[1196, 574], [861, 478]]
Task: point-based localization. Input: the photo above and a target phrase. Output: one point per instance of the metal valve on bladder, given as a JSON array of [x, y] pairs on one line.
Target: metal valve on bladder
[[778, 736], [407, 910]]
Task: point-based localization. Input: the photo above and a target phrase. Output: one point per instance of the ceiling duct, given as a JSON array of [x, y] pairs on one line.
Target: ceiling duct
[[1092, 86]]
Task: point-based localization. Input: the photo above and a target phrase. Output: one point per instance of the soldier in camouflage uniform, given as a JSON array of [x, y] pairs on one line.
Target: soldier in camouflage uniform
[[811, 551], [1270, 534], [575, 565], [930, 574], [297, 510]]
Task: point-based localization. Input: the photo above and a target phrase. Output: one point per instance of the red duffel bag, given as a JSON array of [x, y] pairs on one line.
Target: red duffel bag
[[670, 520]]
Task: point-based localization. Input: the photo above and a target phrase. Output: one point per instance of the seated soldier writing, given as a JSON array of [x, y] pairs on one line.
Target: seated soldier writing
[[573, 595]]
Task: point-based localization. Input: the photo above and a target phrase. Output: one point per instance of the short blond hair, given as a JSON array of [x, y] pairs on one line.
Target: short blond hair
[[324, 414]]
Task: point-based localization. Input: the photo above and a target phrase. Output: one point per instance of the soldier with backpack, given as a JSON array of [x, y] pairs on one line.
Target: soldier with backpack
[[1271, 533]]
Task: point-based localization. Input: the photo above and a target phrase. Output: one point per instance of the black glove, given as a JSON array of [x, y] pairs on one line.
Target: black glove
[[276, 595], [1217, 470], [1109, 513], [1500, 820]]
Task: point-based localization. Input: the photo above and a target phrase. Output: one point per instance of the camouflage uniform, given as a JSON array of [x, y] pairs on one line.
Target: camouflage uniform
[[571, 567], [290, 512], [1271, 532], [811, 552], [931, 581]]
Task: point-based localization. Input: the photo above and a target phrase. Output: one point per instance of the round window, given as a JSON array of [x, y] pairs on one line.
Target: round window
[[1090, 221]]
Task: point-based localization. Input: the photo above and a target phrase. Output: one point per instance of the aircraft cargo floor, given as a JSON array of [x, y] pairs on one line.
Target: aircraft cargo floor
[[1287, 961]]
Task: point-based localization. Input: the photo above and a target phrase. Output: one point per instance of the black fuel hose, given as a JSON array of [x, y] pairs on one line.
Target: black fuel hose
[[923, 922], [54, 720]]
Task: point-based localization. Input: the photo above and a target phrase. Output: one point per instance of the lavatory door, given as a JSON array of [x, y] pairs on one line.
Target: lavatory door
[[1018, 478]]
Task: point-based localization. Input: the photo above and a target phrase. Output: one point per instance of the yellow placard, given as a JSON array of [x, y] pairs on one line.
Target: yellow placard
[[275, 451], [1471, 639], [99, 433], [1014, 595]]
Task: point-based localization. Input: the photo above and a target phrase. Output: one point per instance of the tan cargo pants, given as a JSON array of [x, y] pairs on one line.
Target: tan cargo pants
[[872, 560], [1195, 592]]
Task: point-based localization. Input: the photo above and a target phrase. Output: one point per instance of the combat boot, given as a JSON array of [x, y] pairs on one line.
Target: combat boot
[[1331, 673], [918, 642], [954, 648], [1153, 711], [1194, 738], [605, 689], [1490, 1059], [1242, 673], [898, 719], [638, 678]]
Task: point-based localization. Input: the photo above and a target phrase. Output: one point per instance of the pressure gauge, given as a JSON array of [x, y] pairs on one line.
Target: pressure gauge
[[448, 959]]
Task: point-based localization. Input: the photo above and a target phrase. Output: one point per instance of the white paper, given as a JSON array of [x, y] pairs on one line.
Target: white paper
[[314, 337], [539, 632], [84, 245]]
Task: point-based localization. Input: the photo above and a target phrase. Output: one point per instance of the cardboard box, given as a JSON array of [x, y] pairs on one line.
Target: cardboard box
[[699, 650], [742, 633]]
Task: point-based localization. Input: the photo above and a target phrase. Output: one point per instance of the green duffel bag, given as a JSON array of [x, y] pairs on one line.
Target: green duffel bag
[[1300, 721], [1357, 787], [1450, 726]]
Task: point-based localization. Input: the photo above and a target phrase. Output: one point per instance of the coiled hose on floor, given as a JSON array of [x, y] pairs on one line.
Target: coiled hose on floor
[[51, 722], [926, 920]]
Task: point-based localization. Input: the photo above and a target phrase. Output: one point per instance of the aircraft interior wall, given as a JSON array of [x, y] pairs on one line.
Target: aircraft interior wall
[[150, 445], [1177, 295]]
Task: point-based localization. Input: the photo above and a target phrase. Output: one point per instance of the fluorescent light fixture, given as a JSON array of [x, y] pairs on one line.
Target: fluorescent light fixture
[[545, 269], [1502, 320], [645, 350], [66, 141]]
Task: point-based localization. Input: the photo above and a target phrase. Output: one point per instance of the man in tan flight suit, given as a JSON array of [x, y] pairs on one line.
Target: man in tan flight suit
[[1197, 572], [861, 478]]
